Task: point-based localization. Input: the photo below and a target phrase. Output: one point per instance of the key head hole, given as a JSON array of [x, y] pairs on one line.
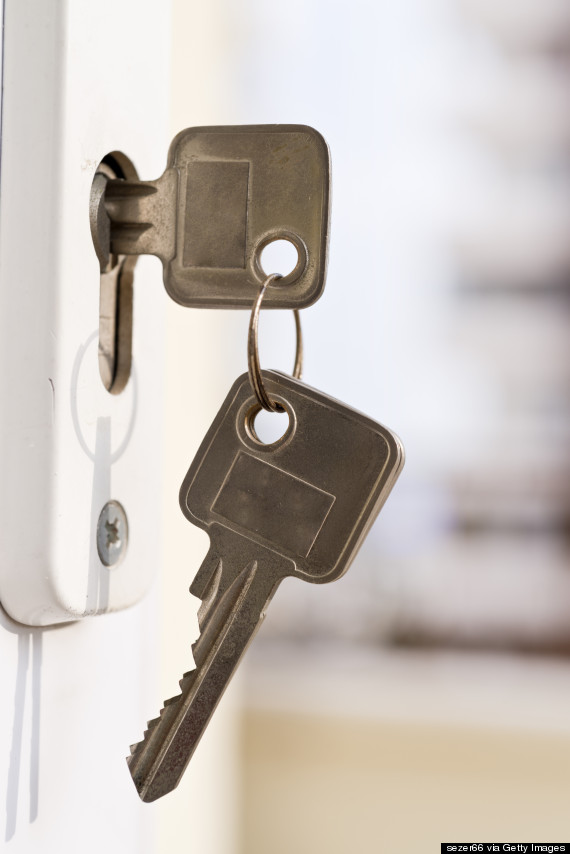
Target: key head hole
[[279, 256], [267, 428], [282, 252]]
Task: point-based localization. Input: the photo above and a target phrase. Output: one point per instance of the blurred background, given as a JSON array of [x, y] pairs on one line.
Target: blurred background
[[425, 697]]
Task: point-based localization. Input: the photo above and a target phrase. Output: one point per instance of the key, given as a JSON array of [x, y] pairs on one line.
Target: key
[[300, 506], [226, 193]]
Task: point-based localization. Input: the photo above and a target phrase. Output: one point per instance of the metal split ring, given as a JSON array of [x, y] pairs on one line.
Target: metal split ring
[[253, 366]]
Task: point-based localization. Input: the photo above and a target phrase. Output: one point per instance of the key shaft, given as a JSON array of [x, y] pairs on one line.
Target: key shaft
[[228, 623], [143, 216]]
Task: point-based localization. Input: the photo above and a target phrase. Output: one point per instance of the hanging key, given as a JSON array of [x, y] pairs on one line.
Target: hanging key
[[228, 192], [300, 506]]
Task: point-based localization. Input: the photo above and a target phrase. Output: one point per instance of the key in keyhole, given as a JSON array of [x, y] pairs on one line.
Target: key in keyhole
[[116, 283]]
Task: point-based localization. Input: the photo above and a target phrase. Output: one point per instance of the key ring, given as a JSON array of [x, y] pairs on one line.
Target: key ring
[[253, 365]]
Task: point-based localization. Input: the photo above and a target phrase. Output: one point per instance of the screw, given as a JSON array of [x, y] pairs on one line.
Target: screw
[[112, 533]]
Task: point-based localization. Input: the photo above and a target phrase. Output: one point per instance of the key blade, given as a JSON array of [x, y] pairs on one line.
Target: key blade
[[160, 759], [142, 215]]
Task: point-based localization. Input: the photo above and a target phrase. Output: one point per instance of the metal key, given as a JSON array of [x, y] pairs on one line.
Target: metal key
[[226, 193], [300, 506]]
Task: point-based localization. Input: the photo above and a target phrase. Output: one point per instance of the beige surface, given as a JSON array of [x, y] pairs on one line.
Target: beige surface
[[411, 751], [337, 785]]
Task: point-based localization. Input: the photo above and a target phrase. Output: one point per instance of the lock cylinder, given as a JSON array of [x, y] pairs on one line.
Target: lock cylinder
[[116, 277]]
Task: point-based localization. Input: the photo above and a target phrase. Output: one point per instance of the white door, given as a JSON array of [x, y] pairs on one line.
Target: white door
[[81, 80]]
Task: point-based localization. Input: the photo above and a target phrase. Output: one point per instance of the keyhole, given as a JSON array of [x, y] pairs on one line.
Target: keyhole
[[116, 279]]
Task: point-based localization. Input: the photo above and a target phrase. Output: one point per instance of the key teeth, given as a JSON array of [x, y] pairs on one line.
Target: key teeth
[[206, 583], [151, 725], [134, 748], [187, 680], [185, 677], [209, 596]]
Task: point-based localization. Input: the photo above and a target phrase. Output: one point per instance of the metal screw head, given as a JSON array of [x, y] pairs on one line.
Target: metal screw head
[[112, 533]]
